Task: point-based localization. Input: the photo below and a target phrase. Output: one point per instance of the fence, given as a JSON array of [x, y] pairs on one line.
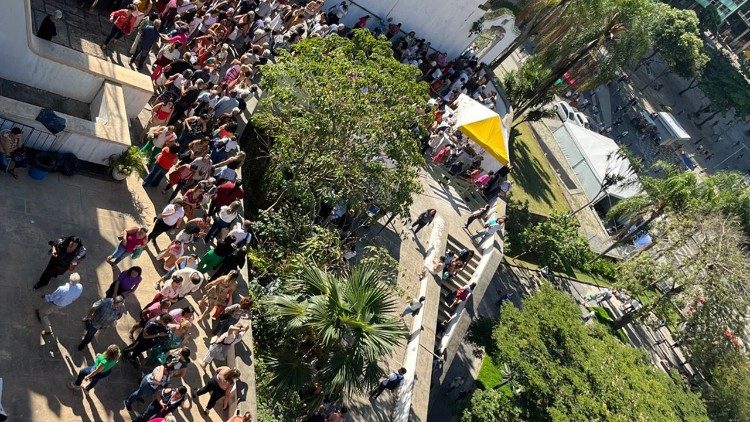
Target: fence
[[30, 136]]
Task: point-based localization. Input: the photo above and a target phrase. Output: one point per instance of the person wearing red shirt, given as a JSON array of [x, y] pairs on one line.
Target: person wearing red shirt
[[123, 23], [164, 161], [225, 194]]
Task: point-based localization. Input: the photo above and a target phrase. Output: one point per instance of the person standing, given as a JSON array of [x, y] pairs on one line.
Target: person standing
[[480, 213], [150, 384], [104, 313], [422, 220], [10, 143], [413, 307], [153, 333], [233, 262], [167, 220], [149, 36], [227, 214], [126, 282], [225, 194], [166, 159], [65, 253], [60, 298], [132, 239], [166, 402], [102, 367], [462, 294], [218, 293], [493, 226], [241, 233], [47, 29], [391, 382], [219, 345], [123, 23], [215, 256], [220, 386]]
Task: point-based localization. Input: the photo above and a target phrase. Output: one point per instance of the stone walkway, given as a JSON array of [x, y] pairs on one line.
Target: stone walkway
[[36, 370], [83, 29]]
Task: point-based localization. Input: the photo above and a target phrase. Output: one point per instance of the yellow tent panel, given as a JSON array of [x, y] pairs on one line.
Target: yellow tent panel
[[482, 126]]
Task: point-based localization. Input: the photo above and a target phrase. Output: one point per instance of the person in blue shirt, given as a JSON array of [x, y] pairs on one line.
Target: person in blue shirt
[[149, 36], [57, 300]]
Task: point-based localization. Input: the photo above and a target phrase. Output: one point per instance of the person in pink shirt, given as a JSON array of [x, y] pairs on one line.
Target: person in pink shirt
[[484, 179]]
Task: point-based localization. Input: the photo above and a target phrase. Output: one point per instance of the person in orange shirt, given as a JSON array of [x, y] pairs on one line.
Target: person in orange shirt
[[166, 159]]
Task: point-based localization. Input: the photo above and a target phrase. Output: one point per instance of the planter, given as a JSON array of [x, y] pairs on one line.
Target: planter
[[118, 176]]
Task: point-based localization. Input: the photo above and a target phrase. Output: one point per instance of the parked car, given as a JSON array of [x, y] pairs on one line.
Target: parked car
[[581, 120], [564, 111]]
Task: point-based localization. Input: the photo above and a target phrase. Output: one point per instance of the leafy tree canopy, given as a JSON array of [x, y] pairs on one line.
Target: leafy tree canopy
[[342, 114], [677, 37], [556, 242], [710, 19], [726, 86], [567, 371]]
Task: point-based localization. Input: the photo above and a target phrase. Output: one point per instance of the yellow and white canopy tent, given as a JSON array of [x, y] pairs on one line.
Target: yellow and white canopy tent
[[483, 126]]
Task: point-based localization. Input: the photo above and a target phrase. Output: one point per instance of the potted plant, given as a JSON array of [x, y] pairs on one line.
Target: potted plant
[[121, 166]]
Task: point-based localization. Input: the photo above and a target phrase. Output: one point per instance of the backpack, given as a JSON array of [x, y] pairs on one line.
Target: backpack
[[392, 384]]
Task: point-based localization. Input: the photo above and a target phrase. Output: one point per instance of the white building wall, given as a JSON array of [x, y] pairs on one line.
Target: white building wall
[[444, 23]]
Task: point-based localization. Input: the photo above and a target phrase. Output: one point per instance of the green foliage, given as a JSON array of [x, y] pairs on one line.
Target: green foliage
[[709, 19], [602, 267], [728, 390], [521, 85], [337, 330], [677, 37], [519, 219], [602, 314], [129, 160], [490, 375], [269, 408], [491, 405], [556, 242], [480, 333], [571, 372], [341, 113], [380, 261], [726, 86], [729, 192]]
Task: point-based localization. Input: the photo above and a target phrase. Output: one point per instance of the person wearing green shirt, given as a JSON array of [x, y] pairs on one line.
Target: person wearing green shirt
[[102, 367]]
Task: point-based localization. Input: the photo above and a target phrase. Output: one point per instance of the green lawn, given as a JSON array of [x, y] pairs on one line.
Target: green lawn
[[577, 274], [490, 376], [534, 179]]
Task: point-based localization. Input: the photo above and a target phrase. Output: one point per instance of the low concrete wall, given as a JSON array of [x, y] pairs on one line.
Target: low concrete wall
[[92, 141], [45, 65]]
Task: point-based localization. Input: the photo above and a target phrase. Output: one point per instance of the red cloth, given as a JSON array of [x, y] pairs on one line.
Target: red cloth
[[227, 193], [123, 20]]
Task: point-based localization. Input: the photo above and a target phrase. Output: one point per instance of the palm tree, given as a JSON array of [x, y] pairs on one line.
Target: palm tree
[[678, 191], [339, 329]]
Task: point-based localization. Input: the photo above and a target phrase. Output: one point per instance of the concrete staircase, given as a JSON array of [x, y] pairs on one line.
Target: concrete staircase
[[447, 287]]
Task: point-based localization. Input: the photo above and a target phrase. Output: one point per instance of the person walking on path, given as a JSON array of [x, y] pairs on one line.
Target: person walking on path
[[391, 382], [215, 256], [462, 294], [150, 384], [166, 159], [123, 23], [167, 220], [493, 226], [413, 307], [131, 240], [166, 402], [65, 253], [476, 215], [104, 313], [218, 294], [151, 311], [57, 300], [102, 367], [220, 345], [126, 282], [422, 220], [219, 386]]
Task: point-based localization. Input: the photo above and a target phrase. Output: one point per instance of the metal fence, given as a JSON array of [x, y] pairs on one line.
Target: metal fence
[[30, 136]]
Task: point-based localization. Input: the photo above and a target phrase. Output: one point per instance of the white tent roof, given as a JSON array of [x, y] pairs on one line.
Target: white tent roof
[[592, 156], [469, 111]]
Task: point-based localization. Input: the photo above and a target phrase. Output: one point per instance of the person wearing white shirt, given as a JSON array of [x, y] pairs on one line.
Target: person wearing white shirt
[[167, 220], [241, 234], [192, 281], [60, 298], [223, 219], [225, 173]]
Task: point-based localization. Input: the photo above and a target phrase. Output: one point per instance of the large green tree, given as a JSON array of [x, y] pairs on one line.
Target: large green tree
[[726, 87], [337, 330], [341, 114], [568, 371], [676, 36], [556, 242]]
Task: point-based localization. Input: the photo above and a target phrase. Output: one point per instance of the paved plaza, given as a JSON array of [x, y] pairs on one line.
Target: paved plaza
[[35, 369]]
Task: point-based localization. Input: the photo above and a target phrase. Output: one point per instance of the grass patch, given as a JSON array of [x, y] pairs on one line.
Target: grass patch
[[490, 375], [534, 179], [528, 261]]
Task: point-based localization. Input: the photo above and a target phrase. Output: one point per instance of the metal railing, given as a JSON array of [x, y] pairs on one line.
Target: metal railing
[[31, 137]]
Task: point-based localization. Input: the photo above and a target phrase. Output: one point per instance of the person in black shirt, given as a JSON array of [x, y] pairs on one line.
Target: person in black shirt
[[154, 332], [47, 29], [177, 66], [66, 253]]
